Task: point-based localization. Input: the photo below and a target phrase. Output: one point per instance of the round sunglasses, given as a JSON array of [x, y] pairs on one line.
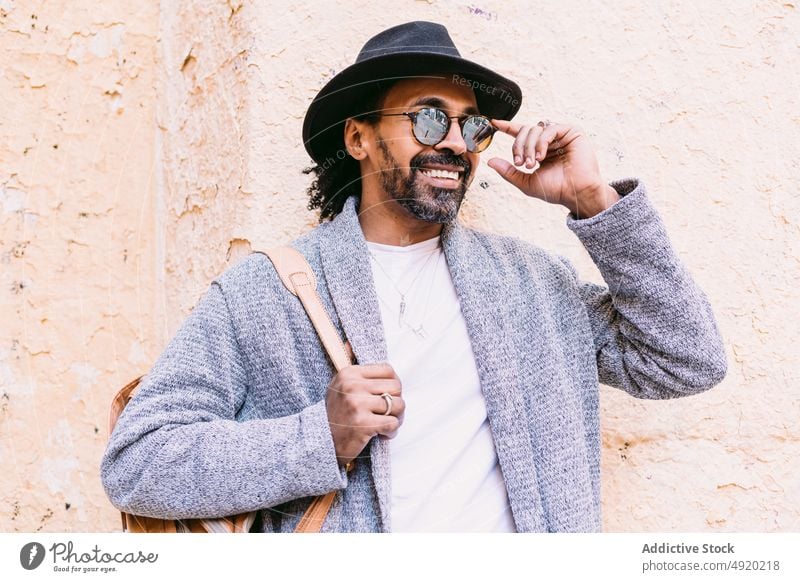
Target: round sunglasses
[[430, 125]]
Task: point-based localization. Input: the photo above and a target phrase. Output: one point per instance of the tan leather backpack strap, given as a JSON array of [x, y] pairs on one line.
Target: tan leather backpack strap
[[315, 515], [239, 523], [121, 399], [140, 524], [299, 279]]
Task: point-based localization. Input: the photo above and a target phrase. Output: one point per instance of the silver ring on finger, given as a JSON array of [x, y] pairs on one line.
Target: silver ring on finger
[[545, 123], [388, 399]]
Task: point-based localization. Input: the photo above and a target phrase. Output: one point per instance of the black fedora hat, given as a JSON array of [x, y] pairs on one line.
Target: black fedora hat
[[414, 49]]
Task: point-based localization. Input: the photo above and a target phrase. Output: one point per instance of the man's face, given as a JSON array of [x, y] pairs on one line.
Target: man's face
[[404, 165]]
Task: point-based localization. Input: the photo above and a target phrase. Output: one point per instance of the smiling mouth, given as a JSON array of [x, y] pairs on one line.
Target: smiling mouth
[[436, 173], [442, 178]]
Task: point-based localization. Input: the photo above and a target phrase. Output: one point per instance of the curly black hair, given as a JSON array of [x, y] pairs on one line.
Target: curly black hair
[[339, 176]]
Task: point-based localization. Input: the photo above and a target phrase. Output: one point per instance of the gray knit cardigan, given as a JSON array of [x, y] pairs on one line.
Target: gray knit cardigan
[[232, 417]]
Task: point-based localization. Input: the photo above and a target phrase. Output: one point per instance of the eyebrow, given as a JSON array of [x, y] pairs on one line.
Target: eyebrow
[[440, 103]]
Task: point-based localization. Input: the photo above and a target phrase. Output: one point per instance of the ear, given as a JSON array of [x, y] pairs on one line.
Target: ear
[[354, 138]]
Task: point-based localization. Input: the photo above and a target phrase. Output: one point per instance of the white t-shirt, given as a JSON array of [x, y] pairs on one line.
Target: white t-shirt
[[445, 474]]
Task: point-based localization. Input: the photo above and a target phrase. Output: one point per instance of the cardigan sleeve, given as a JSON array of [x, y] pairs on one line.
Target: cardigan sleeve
[[654, 332], [178, 450]]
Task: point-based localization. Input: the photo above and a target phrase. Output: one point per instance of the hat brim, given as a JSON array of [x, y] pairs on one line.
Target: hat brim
[[323, 128]]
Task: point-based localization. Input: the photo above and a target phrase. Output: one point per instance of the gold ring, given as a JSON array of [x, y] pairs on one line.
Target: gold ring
[[388, 399]]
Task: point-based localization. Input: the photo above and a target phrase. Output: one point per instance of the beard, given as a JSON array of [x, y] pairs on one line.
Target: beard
[[422, 200]]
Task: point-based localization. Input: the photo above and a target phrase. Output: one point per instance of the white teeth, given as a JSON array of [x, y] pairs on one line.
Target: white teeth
[[441, 174]]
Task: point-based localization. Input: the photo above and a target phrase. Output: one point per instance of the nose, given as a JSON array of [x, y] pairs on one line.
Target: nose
[[453, 141]]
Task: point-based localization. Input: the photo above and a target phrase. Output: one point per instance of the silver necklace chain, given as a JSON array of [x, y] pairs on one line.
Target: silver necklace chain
[[419, 330]]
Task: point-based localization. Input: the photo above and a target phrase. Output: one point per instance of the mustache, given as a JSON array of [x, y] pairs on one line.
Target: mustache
[[448, 160]]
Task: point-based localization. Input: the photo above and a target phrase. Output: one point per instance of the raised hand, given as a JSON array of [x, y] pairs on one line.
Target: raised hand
[[564, 167]]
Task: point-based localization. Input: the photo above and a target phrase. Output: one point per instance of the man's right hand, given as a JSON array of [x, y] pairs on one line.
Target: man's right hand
[[356, 409]]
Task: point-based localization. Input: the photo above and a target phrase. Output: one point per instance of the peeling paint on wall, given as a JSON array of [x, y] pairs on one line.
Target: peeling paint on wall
[[75, 197]]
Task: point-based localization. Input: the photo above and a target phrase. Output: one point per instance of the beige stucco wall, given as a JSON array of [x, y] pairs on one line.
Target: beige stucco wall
[[78, 304], [145, 149]]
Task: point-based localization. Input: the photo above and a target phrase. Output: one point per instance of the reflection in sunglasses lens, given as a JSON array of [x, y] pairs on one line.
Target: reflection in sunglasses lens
[[431, 126], [477, 133]]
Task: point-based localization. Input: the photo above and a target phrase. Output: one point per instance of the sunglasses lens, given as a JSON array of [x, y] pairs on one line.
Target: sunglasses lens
[[431, 125], [477, 132]]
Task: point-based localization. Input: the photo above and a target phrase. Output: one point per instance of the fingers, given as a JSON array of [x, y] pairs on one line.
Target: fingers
[[520, 144], [508, 127], [529, 146], [372, 422], [378, 405], [378, 370], [533, 143], [377, 387], [509, 172], [534, 138], [546, 141], [356, 410], [389, 426], [366, 380]]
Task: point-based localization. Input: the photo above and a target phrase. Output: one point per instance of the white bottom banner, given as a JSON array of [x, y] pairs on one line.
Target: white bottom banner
[[415, 557]]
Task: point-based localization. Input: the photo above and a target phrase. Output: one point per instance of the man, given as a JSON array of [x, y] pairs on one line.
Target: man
[[473, 403]]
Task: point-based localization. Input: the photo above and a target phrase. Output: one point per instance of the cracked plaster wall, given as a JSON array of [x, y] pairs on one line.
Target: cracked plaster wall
[[146, 149], [78, 304]]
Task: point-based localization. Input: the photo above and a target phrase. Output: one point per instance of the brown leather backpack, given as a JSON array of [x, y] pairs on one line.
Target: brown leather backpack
[[298, 277]]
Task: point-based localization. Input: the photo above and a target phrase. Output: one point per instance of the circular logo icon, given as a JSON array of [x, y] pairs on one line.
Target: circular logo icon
[[31, 555]]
